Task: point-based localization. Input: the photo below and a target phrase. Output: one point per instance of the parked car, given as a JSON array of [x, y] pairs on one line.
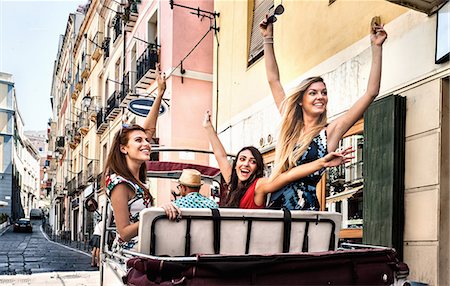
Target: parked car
[[36, 214], [23, 224]]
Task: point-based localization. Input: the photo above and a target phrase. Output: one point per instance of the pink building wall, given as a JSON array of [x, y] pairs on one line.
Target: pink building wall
[[179, 32]]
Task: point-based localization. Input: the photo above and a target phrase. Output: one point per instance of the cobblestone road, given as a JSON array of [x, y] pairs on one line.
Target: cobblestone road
[[28, 253]]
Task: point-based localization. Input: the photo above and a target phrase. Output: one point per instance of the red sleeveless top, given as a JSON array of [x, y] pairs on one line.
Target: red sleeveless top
[[248, 200]]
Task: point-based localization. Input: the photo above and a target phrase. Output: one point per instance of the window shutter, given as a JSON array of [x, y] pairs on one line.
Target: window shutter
[[260, 9], [384, 172]]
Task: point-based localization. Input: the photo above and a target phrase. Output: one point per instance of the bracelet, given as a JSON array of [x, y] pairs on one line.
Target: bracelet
[[268, 40]]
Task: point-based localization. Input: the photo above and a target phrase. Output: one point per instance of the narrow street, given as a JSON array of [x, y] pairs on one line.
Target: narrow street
[[30, 253]]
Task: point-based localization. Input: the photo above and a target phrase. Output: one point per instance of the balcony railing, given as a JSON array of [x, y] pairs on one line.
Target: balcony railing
[[92, 170], [112, 106], [146, 67], [85, 66], [71, 186], [81, 180], [60, 140], [102, 123], [129, 91], [117, 28], [83, 123], [105, 46], [97, 44]]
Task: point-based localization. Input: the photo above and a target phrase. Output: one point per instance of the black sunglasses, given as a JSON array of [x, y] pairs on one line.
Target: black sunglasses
[[278, 11]]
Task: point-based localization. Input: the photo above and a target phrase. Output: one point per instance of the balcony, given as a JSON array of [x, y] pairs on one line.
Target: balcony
[[83, 124], [71, 186], [102, 123], [105, 47], [81, 180], [112, 106], [129, 92], [92, 170], [97, 45], [73, 92], [74, 136], [425, 6], [78, 82], [60, 140], [131, 16], [85, 66], [146, 67], [117, 28]]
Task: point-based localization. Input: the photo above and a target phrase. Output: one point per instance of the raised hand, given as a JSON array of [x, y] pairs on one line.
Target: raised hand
[[207, 119], [378, 35], [160, 79], [334, 159], [266, 28]]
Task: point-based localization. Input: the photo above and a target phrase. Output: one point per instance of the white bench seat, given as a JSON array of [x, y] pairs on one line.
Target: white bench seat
[[237, 232]]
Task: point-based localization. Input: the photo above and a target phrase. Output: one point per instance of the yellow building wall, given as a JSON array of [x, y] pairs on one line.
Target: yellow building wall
[[308, 33]]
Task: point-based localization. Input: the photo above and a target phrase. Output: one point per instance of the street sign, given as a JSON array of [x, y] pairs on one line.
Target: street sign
[[142, 106]]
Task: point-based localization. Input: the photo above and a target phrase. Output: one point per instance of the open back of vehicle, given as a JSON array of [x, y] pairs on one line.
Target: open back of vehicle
[[237, 231]]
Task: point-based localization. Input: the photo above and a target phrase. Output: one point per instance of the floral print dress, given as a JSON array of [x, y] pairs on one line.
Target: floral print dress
[[301, 194], [135, 205]]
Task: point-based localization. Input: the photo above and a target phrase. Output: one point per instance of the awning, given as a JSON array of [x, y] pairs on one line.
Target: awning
[[344, 195]]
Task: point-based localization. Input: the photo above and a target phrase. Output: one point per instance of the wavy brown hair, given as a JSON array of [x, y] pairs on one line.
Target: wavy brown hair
[[116, 162], [237, 189], [291, 131]]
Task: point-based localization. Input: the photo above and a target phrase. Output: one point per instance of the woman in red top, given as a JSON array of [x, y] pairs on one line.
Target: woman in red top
[[247, 189]]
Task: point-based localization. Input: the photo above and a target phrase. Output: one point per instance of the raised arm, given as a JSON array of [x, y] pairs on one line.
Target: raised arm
[[342, 124], [152, 117], [272, 72], [218, 149], [332, 159]]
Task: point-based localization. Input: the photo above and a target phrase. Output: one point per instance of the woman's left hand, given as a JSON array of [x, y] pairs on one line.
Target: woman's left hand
[[378, 35], [160, 79], [334, 159]]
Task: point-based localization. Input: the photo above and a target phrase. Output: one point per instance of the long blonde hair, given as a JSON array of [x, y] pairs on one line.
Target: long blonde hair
[[290, 135]]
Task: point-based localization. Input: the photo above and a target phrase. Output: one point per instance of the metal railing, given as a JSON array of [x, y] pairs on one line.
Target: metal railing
[[146, 61]]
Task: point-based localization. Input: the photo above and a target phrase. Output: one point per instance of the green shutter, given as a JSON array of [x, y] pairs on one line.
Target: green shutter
[[384, 172]]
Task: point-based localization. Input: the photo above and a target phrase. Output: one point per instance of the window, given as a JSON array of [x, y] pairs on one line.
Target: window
[[442, 34], [256, 47]]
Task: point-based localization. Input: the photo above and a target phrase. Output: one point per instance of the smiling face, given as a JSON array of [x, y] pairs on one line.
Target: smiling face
[[137, 147], [315, 99], [245, 165]]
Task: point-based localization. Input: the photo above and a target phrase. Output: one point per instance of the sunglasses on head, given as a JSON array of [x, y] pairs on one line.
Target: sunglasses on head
[[124, 126], [278, 11]]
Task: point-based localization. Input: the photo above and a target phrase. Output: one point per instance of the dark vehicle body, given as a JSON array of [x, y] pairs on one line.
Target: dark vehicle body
[[23, 225], [36, 214]]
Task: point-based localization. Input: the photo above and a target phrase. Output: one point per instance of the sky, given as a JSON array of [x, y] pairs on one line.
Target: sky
[[29, 36]]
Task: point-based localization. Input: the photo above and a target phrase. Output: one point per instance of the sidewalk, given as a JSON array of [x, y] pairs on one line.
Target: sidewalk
[[79, 278]]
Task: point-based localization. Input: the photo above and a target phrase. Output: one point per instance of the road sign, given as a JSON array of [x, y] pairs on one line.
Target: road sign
[[142, 106]]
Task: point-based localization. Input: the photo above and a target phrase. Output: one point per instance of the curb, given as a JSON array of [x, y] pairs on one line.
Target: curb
[[73, 249], [3, 230]]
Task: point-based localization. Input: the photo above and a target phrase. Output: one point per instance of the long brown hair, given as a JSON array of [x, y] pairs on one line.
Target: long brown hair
[[292, 125], [236, 189], [116, 162]]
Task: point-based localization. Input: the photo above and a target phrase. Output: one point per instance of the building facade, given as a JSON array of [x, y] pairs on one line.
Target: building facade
[[105, 62], [336, 46], [7, 98], [19, 161]]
